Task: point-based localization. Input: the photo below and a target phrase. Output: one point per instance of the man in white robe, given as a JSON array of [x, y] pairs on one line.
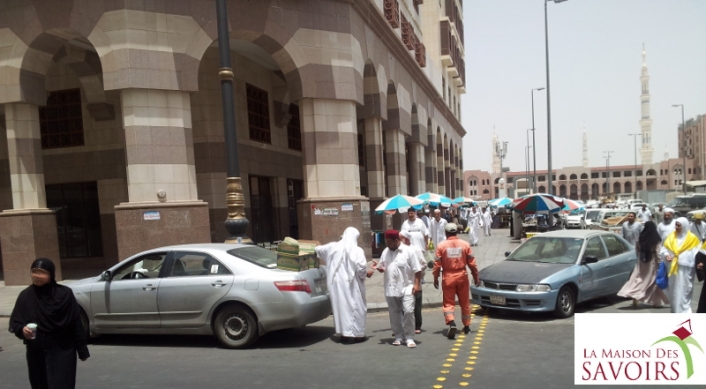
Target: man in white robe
[[698, 227], [474, 223], [346, 269], [487, 221], [405, 239], [680, 246], [436, 228], [403, 275], [667, 225]]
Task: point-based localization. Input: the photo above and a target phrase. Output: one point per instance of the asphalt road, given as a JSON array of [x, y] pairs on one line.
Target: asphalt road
[[505, 350]]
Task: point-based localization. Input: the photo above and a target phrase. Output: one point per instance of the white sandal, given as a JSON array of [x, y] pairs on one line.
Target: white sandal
[[411, 344]]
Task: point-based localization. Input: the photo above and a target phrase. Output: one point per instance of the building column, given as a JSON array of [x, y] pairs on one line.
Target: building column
[[28, 231], [417, 184], [332, 200], [429, 162], [376, 170], [440, 171], [163, 207], [447, 174], [396, 163]]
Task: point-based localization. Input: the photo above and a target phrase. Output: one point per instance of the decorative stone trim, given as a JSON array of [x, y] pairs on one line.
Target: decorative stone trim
[[408, 36], [420, 53], [392, 13]]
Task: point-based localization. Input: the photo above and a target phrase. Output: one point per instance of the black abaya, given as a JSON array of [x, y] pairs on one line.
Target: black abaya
[[51, 356]]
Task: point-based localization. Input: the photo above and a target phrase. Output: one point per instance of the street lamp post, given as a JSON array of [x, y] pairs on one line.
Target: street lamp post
[[236, 224], [527, 177], [549, 111], [634, 141], [683, 145], [534, 148]]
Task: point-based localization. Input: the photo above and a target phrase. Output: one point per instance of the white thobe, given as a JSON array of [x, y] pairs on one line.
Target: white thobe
[[665, 229], [436, 230], [631, 232], [346, 284], [487, 221], [645, 215], [400, 268], [418, 231], [474, 220], [698, 229], [681, 284]]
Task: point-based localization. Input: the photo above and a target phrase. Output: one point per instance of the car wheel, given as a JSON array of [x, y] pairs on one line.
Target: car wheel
[[565, 303], [236, 327]]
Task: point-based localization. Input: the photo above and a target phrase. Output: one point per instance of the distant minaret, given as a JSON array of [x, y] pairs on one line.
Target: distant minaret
[[496, 158], [585, 147], [666, 154], [645, 122]]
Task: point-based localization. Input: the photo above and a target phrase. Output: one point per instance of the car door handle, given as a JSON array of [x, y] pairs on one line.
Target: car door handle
[[148, 287], [218, 284]]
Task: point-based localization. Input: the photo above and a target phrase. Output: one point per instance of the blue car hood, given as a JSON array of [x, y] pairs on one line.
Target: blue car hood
[[518, 272]]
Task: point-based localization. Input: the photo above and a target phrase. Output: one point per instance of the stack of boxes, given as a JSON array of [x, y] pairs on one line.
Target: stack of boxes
[[296, 255]]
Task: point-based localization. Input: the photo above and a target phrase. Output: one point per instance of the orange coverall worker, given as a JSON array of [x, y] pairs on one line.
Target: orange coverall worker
[[453, 255]]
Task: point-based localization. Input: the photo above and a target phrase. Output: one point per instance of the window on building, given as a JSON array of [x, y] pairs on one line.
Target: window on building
[[361, 150], [294, 132], [594, 175], [77, 219], [604, 174], [627, 173], [258, 114], [639, 173], [541, 178], [616, 174], [61, 121]]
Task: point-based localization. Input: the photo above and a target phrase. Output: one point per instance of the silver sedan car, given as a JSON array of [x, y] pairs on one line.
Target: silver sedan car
[[556, 270], [232, 291]]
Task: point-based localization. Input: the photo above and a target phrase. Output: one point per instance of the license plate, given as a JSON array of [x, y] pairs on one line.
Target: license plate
[[320, 286], [498, 300]]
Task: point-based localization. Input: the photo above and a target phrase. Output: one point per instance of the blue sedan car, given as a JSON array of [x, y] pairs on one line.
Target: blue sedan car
[[556, 270]]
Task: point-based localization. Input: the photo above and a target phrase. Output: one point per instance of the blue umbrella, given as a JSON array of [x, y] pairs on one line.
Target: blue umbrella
[[399, 203], [501, 202], [435, 199]]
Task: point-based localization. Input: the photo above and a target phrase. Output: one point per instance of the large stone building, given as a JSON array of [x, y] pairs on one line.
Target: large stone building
[[112, 120]]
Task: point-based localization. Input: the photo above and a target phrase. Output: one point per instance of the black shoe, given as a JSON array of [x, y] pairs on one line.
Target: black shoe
[[466, 329], [452, 330]]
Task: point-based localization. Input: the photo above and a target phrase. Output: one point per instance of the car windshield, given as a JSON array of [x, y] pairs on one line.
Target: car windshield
[[592, 215], [257, 255], [577, 212], [548, 250]]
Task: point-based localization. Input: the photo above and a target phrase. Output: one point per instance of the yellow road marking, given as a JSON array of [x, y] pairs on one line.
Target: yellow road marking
[[463, 383], [466, 375], [444, 372], [438, 386], [441, 379], [453, 355]]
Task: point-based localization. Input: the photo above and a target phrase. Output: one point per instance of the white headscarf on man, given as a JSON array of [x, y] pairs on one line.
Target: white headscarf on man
[[349, 239]]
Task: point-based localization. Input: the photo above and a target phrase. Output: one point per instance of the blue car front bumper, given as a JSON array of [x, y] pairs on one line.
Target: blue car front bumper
[[516, 301]]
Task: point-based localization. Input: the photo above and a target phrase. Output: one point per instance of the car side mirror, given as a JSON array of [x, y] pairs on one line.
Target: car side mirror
[[590, 259], [507, 253], [106, 276]]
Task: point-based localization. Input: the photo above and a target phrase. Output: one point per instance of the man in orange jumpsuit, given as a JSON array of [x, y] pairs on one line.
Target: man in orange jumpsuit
[[453, 255]]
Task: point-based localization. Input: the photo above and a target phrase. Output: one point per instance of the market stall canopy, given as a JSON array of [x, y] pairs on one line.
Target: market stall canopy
[[570, 205], [399, 203], [696, 184], [500, 202], [537, 203], [463, 200], [435, 199]]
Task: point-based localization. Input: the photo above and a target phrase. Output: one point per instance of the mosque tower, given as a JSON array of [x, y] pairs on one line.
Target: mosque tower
[[585, 147], [496, 157], [645, 122]]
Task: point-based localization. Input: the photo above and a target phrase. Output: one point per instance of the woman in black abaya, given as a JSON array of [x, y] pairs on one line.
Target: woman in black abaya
[[51, 355]]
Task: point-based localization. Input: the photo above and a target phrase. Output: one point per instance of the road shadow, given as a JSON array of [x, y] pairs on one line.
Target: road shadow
[[289, 338]]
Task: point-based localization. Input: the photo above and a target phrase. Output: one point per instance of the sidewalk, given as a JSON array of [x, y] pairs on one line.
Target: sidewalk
[[489, 251]]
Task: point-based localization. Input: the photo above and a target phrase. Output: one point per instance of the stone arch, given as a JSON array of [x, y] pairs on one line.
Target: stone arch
[[486, 191], [562, 190], [639, 185], [562, 177], [628, 187], [584, 176], [616, 187], [651, 172], [497, 180], [573, 176], [664, 182], [542, 189], [374, 94], [584, 192], [393, 109], [573, 192], [594, 190]]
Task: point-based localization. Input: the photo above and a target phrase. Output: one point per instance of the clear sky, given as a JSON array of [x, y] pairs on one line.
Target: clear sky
[[595, 49]]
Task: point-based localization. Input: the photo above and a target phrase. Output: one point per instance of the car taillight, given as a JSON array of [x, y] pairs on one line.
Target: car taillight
[[293, 286]]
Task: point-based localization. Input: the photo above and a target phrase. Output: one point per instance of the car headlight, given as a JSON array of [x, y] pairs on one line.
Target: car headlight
[[482, 284], [533, 288]]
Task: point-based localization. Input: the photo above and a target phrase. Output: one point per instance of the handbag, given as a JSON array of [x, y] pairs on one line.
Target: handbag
[[662, 280]]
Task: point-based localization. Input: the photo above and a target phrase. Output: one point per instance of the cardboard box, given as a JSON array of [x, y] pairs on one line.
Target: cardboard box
[[308, 247], [293, 262]]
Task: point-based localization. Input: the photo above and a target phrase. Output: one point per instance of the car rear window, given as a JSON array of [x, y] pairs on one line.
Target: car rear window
[[257, 255]]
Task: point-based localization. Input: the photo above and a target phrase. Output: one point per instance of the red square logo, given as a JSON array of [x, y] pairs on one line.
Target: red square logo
[[682, 333]]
